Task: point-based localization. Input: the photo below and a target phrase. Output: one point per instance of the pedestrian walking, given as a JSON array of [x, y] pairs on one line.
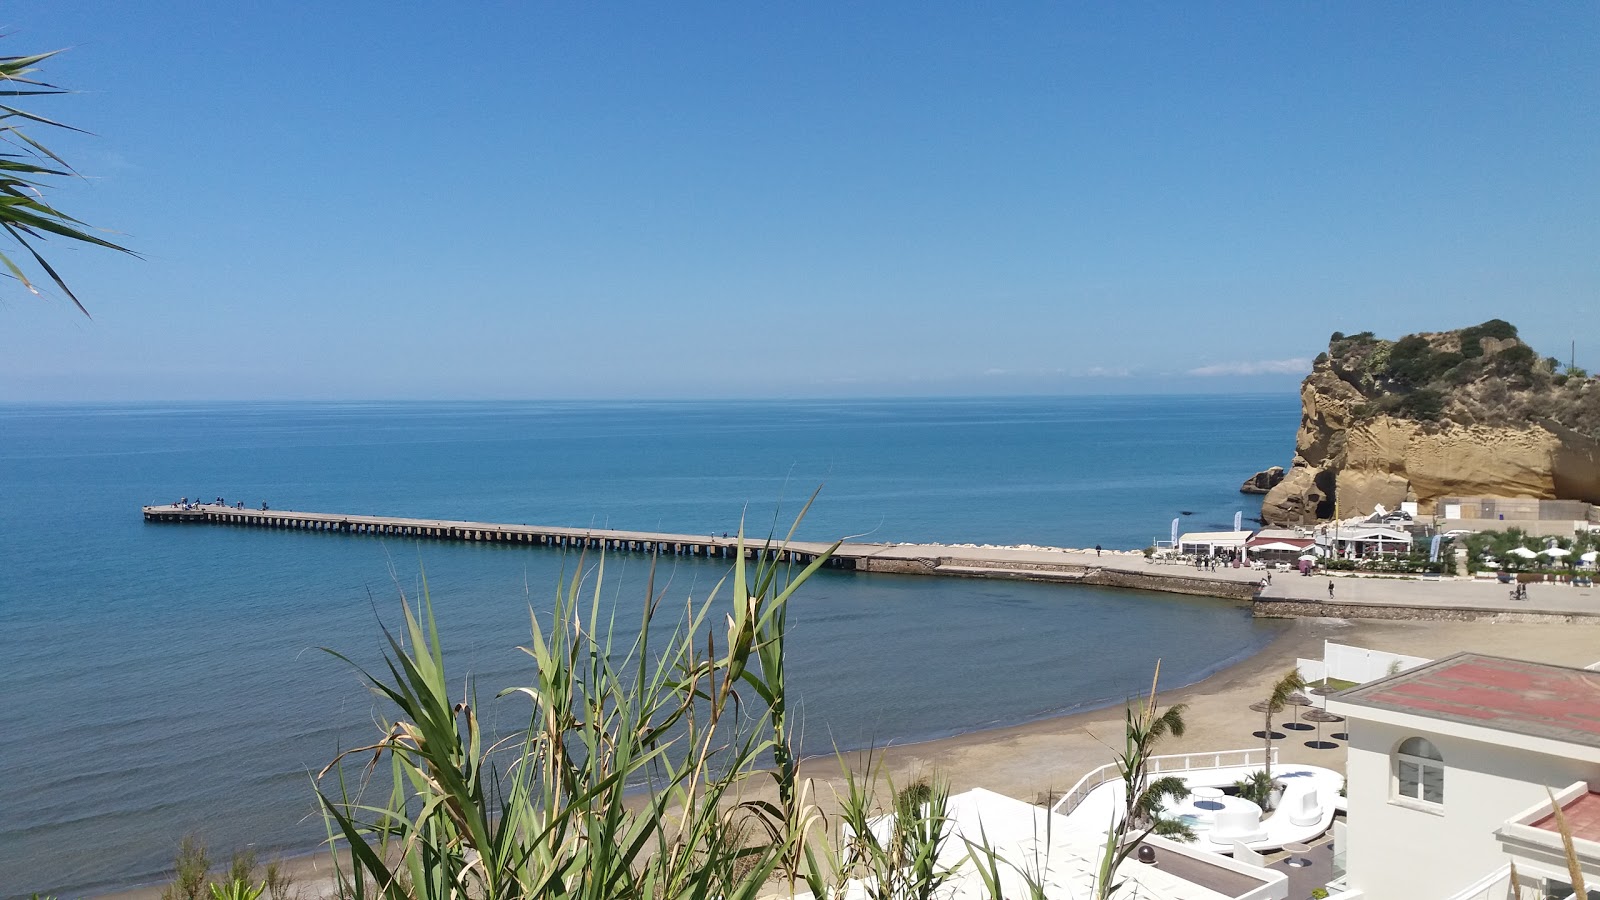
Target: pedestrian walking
[[1330, 590]]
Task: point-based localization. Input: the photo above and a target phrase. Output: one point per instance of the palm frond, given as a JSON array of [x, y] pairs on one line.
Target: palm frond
[[27, 172]]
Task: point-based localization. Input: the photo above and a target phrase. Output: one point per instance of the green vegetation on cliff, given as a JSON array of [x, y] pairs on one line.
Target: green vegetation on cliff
[[1483, 375]]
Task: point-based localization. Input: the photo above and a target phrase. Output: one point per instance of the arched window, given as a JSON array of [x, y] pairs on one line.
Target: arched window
[[1419, 771]]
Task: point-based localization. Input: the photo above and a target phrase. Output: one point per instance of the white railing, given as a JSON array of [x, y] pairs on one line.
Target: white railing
[[1163, 765]]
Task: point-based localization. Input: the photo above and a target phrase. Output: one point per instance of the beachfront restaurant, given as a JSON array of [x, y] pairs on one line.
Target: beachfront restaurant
[[1212, 543], [1361, 541], [1279, 545]]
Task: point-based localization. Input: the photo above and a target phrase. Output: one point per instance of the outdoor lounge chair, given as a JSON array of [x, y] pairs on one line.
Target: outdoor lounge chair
[[1303, 807], [1242, 825]]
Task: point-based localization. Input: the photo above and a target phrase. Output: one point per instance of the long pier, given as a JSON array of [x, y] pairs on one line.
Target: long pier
[[488, 532], [961, 561]]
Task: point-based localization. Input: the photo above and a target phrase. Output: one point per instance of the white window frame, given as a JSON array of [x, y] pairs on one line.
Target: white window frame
[[1423, 764]]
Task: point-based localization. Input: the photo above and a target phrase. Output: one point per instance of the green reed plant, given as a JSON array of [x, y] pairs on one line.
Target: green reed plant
[[192, 876], [1145, 725], [549, 812], [889, 854], [191, 868]]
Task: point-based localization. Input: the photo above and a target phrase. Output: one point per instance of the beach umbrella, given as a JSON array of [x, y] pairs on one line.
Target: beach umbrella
[[1524, 552], [1298, 700], [1590, 556], [1319, 716], [1260, 706], [1308, 558], [1555, 551]]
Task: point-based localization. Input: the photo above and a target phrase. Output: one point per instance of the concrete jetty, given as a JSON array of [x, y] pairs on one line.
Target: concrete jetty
[[1111, 569], [1288, 595]]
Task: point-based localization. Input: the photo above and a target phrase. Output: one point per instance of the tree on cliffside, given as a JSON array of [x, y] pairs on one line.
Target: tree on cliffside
[[27, 170]]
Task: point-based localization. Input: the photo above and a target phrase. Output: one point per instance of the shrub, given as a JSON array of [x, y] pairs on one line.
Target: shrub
[[1517, 359], [1255, 787], [1471, 338], [1424, 404]]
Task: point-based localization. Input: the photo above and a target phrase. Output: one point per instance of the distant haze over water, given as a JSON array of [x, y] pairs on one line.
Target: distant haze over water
[[164, 679]]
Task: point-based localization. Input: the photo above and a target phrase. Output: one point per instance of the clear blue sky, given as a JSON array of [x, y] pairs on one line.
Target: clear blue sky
[[364, 200]]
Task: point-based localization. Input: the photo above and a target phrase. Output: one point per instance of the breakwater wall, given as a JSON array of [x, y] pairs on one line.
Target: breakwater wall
[[1297, 609], [951, 561]]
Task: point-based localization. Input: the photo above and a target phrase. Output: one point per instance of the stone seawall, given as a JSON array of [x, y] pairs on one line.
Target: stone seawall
[[1159, 582], [1171, 584], [917, 566], [1294, 609]]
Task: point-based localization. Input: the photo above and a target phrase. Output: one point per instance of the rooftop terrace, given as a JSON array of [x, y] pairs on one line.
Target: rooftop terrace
[[1535, 699]]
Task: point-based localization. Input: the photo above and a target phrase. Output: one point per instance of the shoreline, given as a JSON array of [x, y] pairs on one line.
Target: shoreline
[[1031, 760]]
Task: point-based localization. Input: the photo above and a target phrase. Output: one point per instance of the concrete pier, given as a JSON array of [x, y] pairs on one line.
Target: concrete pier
[[1029, 564], [485, 532]]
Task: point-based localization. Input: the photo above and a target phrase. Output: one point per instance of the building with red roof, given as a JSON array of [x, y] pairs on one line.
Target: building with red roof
[[1450, 771]]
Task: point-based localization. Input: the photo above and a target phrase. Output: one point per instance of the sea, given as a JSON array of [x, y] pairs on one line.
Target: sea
[[162, 680]]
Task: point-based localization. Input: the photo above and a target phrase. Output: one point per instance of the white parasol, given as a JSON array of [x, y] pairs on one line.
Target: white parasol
[[1308, 558], [1590, 556], [1555, 551], [1523, 552]]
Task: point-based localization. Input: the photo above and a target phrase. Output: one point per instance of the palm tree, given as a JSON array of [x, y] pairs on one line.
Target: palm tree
[[1275, 702], [1145, 726], [27, 168]]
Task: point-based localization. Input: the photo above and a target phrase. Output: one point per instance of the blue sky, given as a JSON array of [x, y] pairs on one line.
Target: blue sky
[[368, 201]]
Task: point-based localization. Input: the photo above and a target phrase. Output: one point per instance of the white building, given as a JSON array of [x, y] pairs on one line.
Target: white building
[[1361, 540], [1448, 767], [1212, 543]]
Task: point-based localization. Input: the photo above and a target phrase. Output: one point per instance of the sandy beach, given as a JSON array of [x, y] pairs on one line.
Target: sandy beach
[[1032, 760], [1027, 761]]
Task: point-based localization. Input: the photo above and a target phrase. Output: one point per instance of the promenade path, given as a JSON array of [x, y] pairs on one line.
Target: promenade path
[[1464, 594]]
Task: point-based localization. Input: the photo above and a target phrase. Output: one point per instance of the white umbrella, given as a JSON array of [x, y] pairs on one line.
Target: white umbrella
[[1491, 564], [1556, 551], [1524, 552], [1308, 558], [1591, 556]]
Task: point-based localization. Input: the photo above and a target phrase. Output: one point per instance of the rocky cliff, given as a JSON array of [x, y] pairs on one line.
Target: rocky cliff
[[1473, 412]]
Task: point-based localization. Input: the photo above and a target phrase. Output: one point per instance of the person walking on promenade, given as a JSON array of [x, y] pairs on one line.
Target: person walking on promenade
[[1096, 549], [1330, 590]]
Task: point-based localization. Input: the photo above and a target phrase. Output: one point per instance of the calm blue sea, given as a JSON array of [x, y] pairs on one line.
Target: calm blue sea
[[163, 679]]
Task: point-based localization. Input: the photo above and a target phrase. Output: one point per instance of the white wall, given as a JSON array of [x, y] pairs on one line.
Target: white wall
[[1398, 852], [1361, 665]]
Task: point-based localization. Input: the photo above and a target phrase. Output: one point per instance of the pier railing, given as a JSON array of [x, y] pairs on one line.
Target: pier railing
[[1163, 765]]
